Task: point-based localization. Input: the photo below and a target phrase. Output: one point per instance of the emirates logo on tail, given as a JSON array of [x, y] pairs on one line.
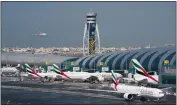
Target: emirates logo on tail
[[58, 71], [138, 67], [114, 80], [30, 70]]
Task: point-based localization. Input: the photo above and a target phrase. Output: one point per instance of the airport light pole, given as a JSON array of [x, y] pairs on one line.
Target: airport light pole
[[160, 72], [126, 63], [94, 66], [6, 57], [33, 56], [126, 60]]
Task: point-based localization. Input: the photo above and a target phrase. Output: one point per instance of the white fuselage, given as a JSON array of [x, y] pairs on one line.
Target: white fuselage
[[9, 69], [109, 75], [139, 77], [82, 75], [79, 75], [139, 90], [48, 74], [85, 75]]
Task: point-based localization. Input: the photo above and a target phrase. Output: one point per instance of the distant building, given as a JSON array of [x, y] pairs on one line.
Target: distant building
[[37, 59]]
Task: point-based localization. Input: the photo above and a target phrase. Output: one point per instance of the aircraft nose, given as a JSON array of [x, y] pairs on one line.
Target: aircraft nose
[[161, 95], [119, 75]]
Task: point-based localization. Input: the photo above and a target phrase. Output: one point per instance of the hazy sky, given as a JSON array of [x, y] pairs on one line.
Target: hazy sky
[[120, 23]]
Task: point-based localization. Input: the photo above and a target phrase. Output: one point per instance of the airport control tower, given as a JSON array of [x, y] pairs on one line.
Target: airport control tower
[[91, 39]]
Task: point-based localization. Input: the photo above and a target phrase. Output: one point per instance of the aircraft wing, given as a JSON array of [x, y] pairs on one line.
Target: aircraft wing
[[166, 88], [110, 91], [167, 91], [143, 81]]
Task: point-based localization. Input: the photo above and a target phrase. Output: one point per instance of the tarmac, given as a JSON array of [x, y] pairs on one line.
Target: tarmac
[[36, 92]]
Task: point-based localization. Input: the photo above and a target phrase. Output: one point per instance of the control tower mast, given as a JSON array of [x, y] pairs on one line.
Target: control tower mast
[[91, 38]]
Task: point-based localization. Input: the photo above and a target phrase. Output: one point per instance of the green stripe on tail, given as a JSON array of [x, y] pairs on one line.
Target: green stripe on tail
[[114, 80]]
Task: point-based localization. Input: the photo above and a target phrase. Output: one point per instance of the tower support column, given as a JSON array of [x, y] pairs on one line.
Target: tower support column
[[91, 39]]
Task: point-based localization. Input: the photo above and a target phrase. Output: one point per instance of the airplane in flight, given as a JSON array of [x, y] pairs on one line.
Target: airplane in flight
[[41, 34], [130, 92], [142, 75]]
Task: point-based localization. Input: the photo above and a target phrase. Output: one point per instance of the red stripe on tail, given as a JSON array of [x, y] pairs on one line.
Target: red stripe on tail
[[149, 76], [35, 73], [62, 73]]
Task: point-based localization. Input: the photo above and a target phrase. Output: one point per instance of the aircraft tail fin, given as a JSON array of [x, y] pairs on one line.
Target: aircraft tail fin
[[18, 65], [59, 71], [31, 71], [114, 80], [140, 68]]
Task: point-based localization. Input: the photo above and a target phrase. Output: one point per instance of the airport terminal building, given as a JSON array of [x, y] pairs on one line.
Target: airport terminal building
[[152, 59]]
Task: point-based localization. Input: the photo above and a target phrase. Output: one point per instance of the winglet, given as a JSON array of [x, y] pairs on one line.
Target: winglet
[[114, 80], [140, 68], [58, 71]]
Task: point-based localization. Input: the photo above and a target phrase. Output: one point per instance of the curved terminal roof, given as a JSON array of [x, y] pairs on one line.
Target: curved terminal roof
[[39, 59], [151, 59]]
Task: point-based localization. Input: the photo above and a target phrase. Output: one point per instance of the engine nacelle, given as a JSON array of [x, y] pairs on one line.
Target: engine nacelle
[[48, 78], [128, 96], [100, 78]]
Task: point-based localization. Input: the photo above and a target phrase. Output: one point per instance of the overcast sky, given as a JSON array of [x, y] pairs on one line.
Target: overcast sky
[[121, 24]]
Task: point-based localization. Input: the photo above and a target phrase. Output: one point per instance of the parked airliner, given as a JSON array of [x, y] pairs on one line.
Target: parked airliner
[[130, 92], [141, 74], [10, 69], [51, 75], [79, 75], [85, 75]]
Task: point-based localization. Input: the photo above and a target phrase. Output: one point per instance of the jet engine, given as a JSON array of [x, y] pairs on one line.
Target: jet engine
[[92, 79], [128, 96], [100, 78], [47, 78]]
